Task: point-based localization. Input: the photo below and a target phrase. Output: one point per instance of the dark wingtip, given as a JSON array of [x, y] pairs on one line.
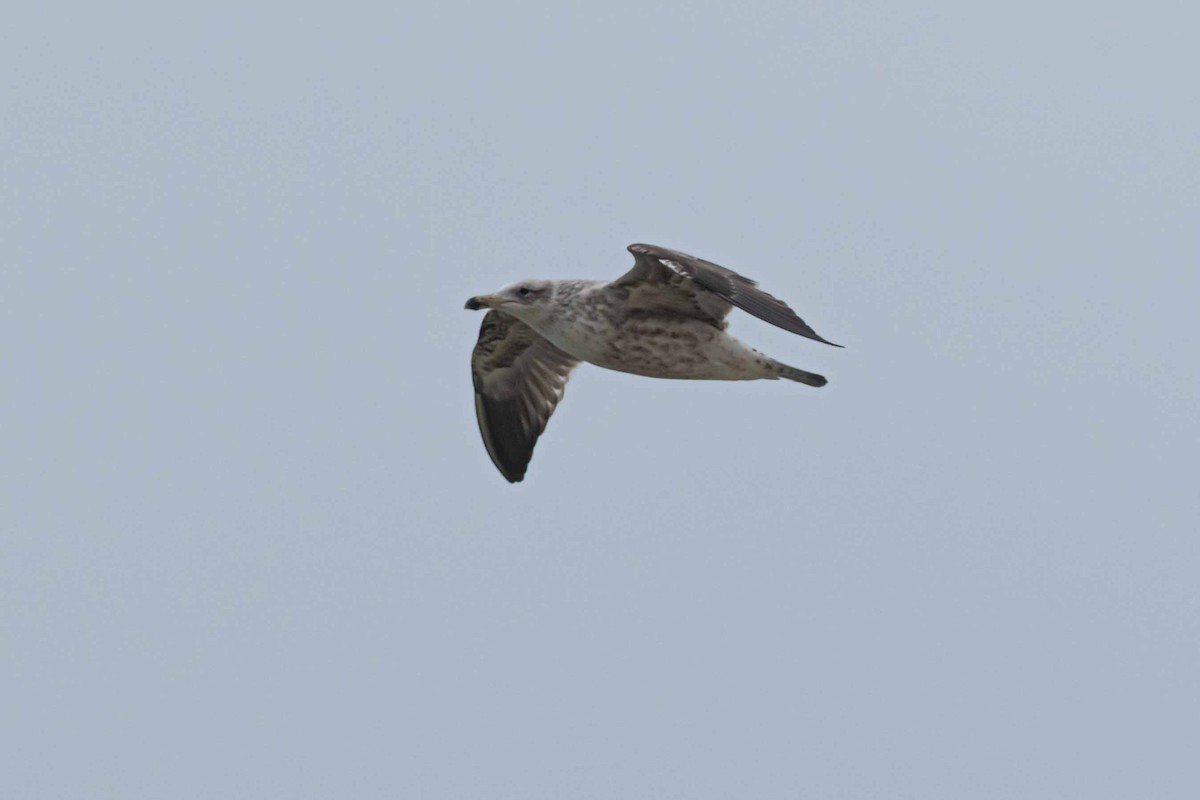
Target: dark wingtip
[[473, 305], [809, 333], [513, 473]]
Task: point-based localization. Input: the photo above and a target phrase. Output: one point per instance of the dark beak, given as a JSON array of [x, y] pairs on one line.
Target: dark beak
[[485, 301]]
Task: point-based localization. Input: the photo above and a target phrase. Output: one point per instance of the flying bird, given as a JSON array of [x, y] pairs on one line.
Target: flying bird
[[665, 318]]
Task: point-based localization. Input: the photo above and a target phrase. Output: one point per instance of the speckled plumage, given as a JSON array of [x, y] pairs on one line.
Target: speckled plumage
[[665, 318]]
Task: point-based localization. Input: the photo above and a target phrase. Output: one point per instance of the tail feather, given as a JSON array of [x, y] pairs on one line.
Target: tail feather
[[800, 376]]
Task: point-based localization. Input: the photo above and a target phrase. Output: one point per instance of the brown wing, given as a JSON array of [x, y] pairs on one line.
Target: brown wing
[[519, 378], [687, 284]]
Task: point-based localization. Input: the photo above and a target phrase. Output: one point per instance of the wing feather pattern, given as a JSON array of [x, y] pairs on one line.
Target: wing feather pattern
[[677, 280], [519, 379]]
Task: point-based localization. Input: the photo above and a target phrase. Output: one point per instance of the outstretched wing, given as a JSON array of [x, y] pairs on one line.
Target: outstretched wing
[[686, 284], [519, 378]]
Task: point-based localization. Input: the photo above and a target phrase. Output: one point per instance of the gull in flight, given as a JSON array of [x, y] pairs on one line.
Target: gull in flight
[[665, 318]]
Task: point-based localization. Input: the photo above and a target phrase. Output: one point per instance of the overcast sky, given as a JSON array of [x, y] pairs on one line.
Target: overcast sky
[[251, 544]]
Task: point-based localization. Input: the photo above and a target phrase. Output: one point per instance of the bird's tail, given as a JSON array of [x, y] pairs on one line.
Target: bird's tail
[[800, 376]]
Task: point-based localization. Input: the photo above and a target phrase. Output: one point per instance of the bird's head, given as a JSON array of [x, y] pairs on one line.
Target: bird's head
[[528, 301]]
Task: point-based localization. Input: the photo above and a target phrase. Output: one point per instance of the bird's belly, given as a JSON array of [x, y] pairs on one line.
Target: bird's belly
[[671, 348]]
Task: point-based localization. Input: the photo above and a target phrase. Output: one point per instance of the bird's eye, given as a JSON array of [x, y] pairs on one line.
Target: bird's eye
[[523, 291]]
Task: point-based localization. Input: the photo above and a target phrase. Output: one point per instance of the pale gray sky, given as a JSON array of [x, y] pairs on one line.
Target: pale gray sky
[[253, 547]]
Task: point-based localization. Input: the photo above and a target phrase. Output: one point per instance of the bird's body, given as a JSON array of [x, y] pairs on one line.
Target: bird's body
[[665, 318], [592, 321]]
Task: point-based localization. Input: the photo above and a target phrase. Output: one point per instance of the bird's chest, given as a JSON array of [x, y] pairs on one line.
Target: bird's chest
[[587, 339], [665, 348]]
